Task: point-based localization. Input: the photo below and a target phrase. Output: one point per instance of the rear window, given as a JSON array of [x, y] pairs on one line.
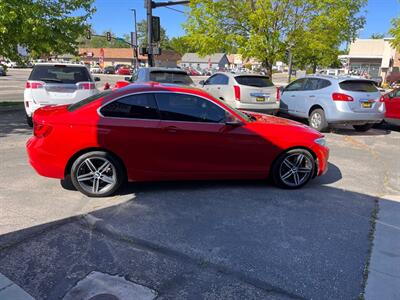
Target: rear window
[[358, 86], [258, 81], [60, 74], [170, 77], [88, 100]]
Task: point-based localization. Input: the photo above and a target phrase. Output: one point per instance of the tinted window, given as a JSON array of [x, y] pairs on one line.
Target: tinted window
[[323, 83], [139, 106], [60, 74], [296, 85], [218, 79], [258, 81], [88, 100], [311, 84], [170, 77], [181, 107], [358, 86]]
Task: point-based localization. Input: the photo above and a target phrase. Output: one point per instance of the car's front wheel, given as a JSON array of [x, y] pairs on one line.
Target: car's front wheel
[[293, 169], [363, 128], [97, 174]]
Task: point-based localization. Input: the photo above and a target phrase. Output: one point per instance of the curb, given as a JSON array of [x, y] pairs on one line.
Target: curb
[[10, 290]]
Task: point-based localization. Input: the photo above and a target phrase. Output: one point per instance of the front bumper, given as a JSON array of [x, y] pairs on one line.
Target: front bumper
[[322, 154]]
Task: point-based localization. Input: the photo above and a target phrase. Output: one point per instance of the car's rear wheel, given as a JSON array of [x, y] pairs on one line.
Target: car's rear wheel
[[317, 120], [293, 169], [363, 128], [97, 174], [29, 121]]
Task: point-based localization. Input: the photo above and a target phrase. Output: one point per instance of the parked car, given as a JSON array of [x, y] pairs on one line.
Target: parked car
[[54, 84], [326, 100], [96, 70], [123, 71], [244, 91], [392, 104], [3, 71], [193, 72], [153, 132], [162, 75], [109, 70]]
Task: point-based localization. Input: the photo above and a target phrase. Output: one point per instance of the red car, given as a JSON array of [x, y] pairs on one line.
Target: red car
[[123, 71], [392, 104], [148, 132]]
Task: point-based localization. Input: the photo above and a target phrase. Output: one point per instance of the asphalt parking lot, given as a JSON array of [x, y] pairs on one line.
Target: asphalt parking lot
[[199, 240]]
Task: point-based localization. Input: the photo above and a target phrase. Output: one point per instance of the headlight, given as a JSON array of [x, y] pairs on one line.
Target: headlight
[[321, 141]]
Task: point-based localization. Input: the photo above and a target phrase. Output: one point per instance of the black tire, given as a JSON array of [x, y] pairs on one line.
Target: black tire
[[317, 120], [363, 128], [29, 121], [280, 169], [92, 180]]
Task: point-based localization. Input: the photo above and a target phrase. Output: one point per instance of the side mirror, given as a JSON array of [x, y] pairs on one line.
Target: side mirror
[[233, 123], [96, 78], [202, 82], [127, 78]]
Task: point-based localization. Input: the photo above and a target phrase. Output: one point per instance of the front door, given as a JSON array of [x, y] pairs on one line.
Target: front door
[[197, 143], [292, 94], [393, 106]]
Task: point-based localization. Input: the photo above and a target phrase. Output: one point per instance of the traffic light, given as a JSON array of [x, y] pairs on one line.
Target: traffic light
[[155, 26], [89, 34], [108, 36]]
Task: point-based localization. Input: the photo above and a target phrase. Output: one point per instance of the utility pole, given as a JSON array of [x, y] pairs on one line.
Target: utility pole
[[135, 49], [149, 5]]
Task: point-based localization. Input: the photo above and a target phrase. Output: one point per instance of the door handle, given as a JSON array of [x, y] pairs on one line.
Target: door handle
[[311, 96], [218, 88], [170, 129], [293, 96]]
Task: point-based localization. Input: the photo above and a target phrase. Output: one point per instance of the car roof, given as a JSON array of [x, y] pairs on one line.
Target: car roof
[[59, 64], [339, 78]]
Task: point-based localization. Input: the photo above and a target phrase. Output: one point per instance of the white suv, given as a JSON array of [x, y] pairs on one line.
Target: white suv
[[54, 84]]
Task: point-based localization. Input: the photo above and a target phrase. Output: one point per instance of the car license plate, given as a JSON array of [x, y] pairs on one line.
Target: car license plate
[[366, 104], [260, 99]]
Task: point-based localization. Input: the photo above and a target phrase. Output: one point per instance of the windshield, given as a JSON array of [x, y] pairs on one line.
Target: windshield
[[88, 100], [170, 77], [60, 74], [257, 81]]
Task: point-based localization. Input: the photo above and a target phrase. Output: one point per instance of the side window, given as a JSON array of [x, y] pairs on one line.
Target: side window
[[311, 84], [323, 83], [139, 106], [218, 79], [141, 75], [182, 107], [212, 80], [296, 85]]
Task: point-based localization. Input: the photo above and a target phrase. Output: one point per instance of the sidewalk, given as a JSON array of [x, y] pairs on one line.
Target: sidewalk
[[384, 269]]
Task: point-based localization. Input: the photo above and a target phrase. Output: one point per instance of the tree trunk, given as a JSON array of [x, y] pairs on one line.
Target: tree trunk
[[314, 67], [268, 68]]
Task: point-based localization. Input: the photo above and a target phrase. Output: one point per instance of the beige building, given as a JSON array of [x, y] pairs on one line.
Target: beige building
[[372, 58]]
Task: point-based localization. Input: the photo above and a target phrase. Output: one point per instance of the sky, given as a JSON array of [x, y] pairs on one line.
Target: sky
[[116, 15]]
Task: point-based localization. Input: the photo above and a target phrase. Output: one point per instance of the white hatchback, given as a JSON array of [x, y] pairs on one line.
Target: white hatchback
[[57, 84]]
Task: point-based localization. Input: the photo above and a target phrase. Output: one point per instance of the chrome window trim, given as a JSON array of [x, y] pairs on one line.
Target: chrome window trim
[[159, 120]]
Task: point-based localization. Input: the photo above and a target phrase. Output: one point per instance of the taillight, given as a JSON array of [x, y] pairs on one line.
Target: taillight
[[342, 97], [383, 98], [33, 85], [236, 88], [41, 130], [86, 86], [278, 94]]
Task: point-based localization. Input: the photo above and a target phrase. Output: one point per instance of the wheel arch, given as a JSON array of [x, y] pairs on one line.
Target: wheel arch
[[72, 159], [314, 107]]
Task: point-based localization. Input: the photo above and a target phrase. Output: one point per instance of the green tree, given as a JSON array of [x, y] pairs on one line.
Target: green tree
[[142, 35], [264, 29], [377, 36], [180, 45], [45, 26], [101, 41], [395, 32]]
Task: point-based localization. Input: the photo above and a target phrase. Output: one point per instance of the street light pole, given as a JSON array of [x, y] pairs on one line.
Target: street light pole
[[135, 49]]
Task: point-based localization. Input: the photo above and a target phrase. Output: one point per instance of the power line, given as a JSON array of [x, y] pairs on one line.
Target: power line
[[180, 11]]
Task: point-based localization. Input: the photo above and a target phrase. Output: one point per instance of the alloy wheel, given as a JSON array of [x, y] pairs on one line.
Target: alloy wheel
[[96, 175], [295, 169], [316, 120]]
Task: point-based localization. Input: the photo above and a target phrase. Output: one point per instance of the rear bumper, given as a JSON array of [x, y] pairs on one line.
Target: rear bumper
[[356, 118], [44, 163], [258, 107]]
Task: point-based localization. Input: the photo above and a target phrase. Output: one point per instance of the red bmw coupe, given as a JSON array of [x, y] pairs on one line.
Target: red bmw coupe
[[158, 132]]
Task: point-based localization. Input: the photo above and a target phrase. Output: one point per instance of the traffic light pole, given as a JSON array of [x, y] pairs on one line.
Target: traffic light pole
[[149, 6]]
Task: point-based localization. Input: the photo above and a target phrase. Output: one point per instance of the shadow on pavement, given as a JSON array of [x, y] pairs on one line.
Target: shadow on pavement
[[12, 121], [219, 240]]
